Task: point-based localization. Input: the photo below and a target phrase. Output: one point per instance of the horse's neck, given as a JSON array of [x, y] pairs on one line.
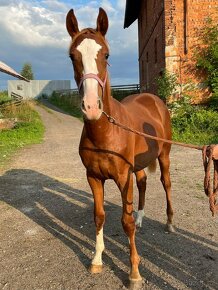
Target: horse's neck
[[107, 99]]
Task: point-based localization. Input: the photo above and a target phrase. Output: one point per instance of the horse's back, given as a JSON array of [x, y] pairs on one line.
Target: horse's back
[[146, 107], [148, 101]]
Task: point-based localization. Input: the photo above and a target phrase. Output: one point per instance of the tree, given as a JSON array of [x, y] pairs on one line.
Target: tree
[[207, 57], [27, 71]]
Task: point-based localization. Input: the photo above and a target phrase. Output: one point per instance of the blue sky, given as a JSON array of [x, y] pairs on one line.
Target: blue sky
[[34, 31]]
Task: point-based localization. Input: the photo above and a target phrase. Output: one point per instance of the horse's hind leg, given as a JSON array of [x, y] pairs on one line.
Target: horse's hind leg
[[141, 179], [164, 162]]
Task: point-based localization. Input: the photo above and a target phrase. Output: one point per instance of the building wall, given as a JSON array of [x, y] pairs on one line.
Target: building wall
[[151, 43], [177, 32], [36, 88], [184, 21]]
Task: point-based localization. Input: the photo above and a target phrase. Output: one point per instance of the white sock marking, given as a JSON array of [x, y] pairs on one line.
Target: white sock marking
[[99, 248], [140, 215]]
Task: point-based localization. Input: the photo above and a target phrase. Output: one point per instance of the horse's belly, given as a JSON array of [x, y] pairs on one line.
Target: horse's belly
[[146, 152], [143, 160]]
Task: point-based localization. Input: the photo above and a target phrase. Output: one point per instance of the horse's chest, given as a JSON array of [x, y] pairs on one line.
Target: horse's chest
[[99, 162], [104, 162]]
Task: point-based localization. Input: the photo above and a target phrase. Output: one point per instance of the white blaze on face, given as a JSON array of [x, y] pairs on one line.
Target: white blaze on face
[[89, 49]]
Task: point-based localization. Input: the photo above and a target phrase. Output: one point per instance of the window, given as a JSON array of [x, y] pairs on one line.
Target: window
[[19, 87]]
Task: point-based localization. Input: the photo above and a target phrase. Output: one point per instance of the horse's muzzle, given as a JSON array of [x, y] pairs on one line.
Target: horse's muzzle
[[92, 110]]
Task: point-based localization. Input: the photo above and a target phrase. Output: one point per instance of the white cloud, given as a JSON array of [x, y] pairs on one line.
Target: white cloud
[[121, 4], [33, 25], [35, 31], [107, 6], [54, 5]]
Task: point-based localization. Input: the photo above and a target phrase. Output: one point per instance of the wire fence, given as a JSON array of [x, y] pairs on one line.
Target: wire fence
[[119, 92]]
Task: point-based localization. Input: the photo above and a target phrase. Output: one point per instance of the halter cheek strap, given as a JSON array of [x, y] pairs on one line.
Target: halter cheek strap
[[93, 76]]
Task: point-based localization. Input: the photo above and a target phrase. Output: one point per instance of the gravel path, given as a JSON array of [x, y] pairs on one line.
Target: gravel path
[[46, 222]]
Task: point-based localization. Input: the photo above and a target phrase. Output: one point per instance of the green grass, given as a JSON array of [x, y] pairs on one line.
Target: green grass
[[28, 130], [68, 103], [4, 97]]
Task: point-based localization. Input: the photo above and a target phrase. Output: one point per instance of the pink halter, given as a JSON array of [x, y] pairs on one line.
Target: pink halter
[[93, 76]]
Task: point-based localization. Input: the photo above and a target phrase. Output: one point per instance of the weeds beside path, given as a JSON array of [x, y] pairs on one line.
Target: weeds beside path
[[28, 130]]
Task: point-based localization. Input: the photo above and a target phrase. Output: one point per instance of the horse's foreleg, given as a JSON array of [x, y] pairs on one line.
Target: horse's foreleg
[[164, 162], [125, 184], [99, 217], [141, 179]]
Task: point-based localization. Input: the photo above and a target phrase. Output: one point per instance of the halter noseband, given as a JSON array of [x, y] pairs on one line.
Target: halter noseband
[[93, 76]]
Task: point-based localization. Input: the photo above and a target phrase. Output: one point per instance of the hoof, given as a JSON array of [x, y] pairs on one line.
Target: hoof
[[135, 277], [135, 285], [170, 228], [95, 269]]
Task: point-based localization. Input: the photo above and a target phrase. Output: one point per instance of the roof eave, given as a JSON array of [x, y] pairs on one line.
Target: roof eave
[[131, 12], [10, 71]]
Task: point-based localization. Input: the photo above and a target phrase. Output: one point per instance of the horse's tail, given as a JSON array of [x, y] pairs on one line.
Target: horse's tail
[[152, 166]]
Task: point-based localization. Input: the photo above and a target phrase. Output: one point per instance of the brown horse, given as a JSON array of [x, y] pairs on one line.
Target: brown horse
[[109, 152]]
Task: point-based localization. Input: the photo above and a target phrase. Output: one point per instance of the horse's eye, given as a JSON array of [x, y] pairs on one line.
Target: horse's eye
[[106, 55]]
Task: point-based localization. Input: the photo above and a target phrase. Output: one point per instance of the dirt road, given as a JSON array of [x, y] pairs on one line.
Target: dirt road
[[46, 222]]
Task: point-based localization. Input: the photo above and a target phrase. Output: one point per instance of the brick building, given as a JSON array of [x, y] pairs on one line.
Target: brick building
[[168, 32]]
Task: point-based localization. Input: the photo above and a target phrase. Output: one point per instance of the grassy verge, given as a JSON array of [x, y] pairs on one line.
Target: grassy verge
[[68, 103], [29, 129]]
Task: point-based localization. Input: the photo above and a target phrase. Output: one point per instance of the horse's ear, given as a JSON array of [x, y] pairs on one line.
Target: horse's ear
[[102, 22], [71, 23]]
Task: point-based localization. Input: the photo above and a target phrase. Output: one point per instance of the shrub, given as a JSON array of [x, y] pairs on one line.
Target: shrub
[[4, 97], [207, 58], [194, 124], [166, 85]]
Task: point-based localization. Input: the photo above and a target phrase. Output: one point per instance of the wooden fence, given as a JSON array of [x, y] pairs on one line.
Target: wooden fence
[[15, 100]]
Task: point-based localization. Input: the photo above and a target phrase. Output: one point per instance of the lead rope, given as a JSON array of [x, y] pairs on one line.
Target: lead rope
[[209, 154]]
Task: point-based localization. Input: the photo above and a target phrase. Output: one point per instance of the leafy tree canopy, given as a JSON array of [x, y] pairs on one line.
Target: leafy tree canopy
[[27, 71]]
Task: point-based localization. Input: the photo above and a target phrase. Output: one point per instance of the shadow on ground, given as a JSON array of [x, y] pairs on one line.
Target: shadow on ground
[[50, 203]]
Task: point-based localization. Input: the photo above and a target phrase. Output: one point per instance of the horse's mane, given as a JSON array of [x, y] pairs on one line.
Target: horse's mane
[[91, 31], [83, 32], [88, 30]]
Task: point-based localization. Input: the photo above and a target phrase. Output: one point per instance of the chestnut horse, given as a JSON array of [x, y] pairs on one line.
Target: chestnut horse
[[109, 152]]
